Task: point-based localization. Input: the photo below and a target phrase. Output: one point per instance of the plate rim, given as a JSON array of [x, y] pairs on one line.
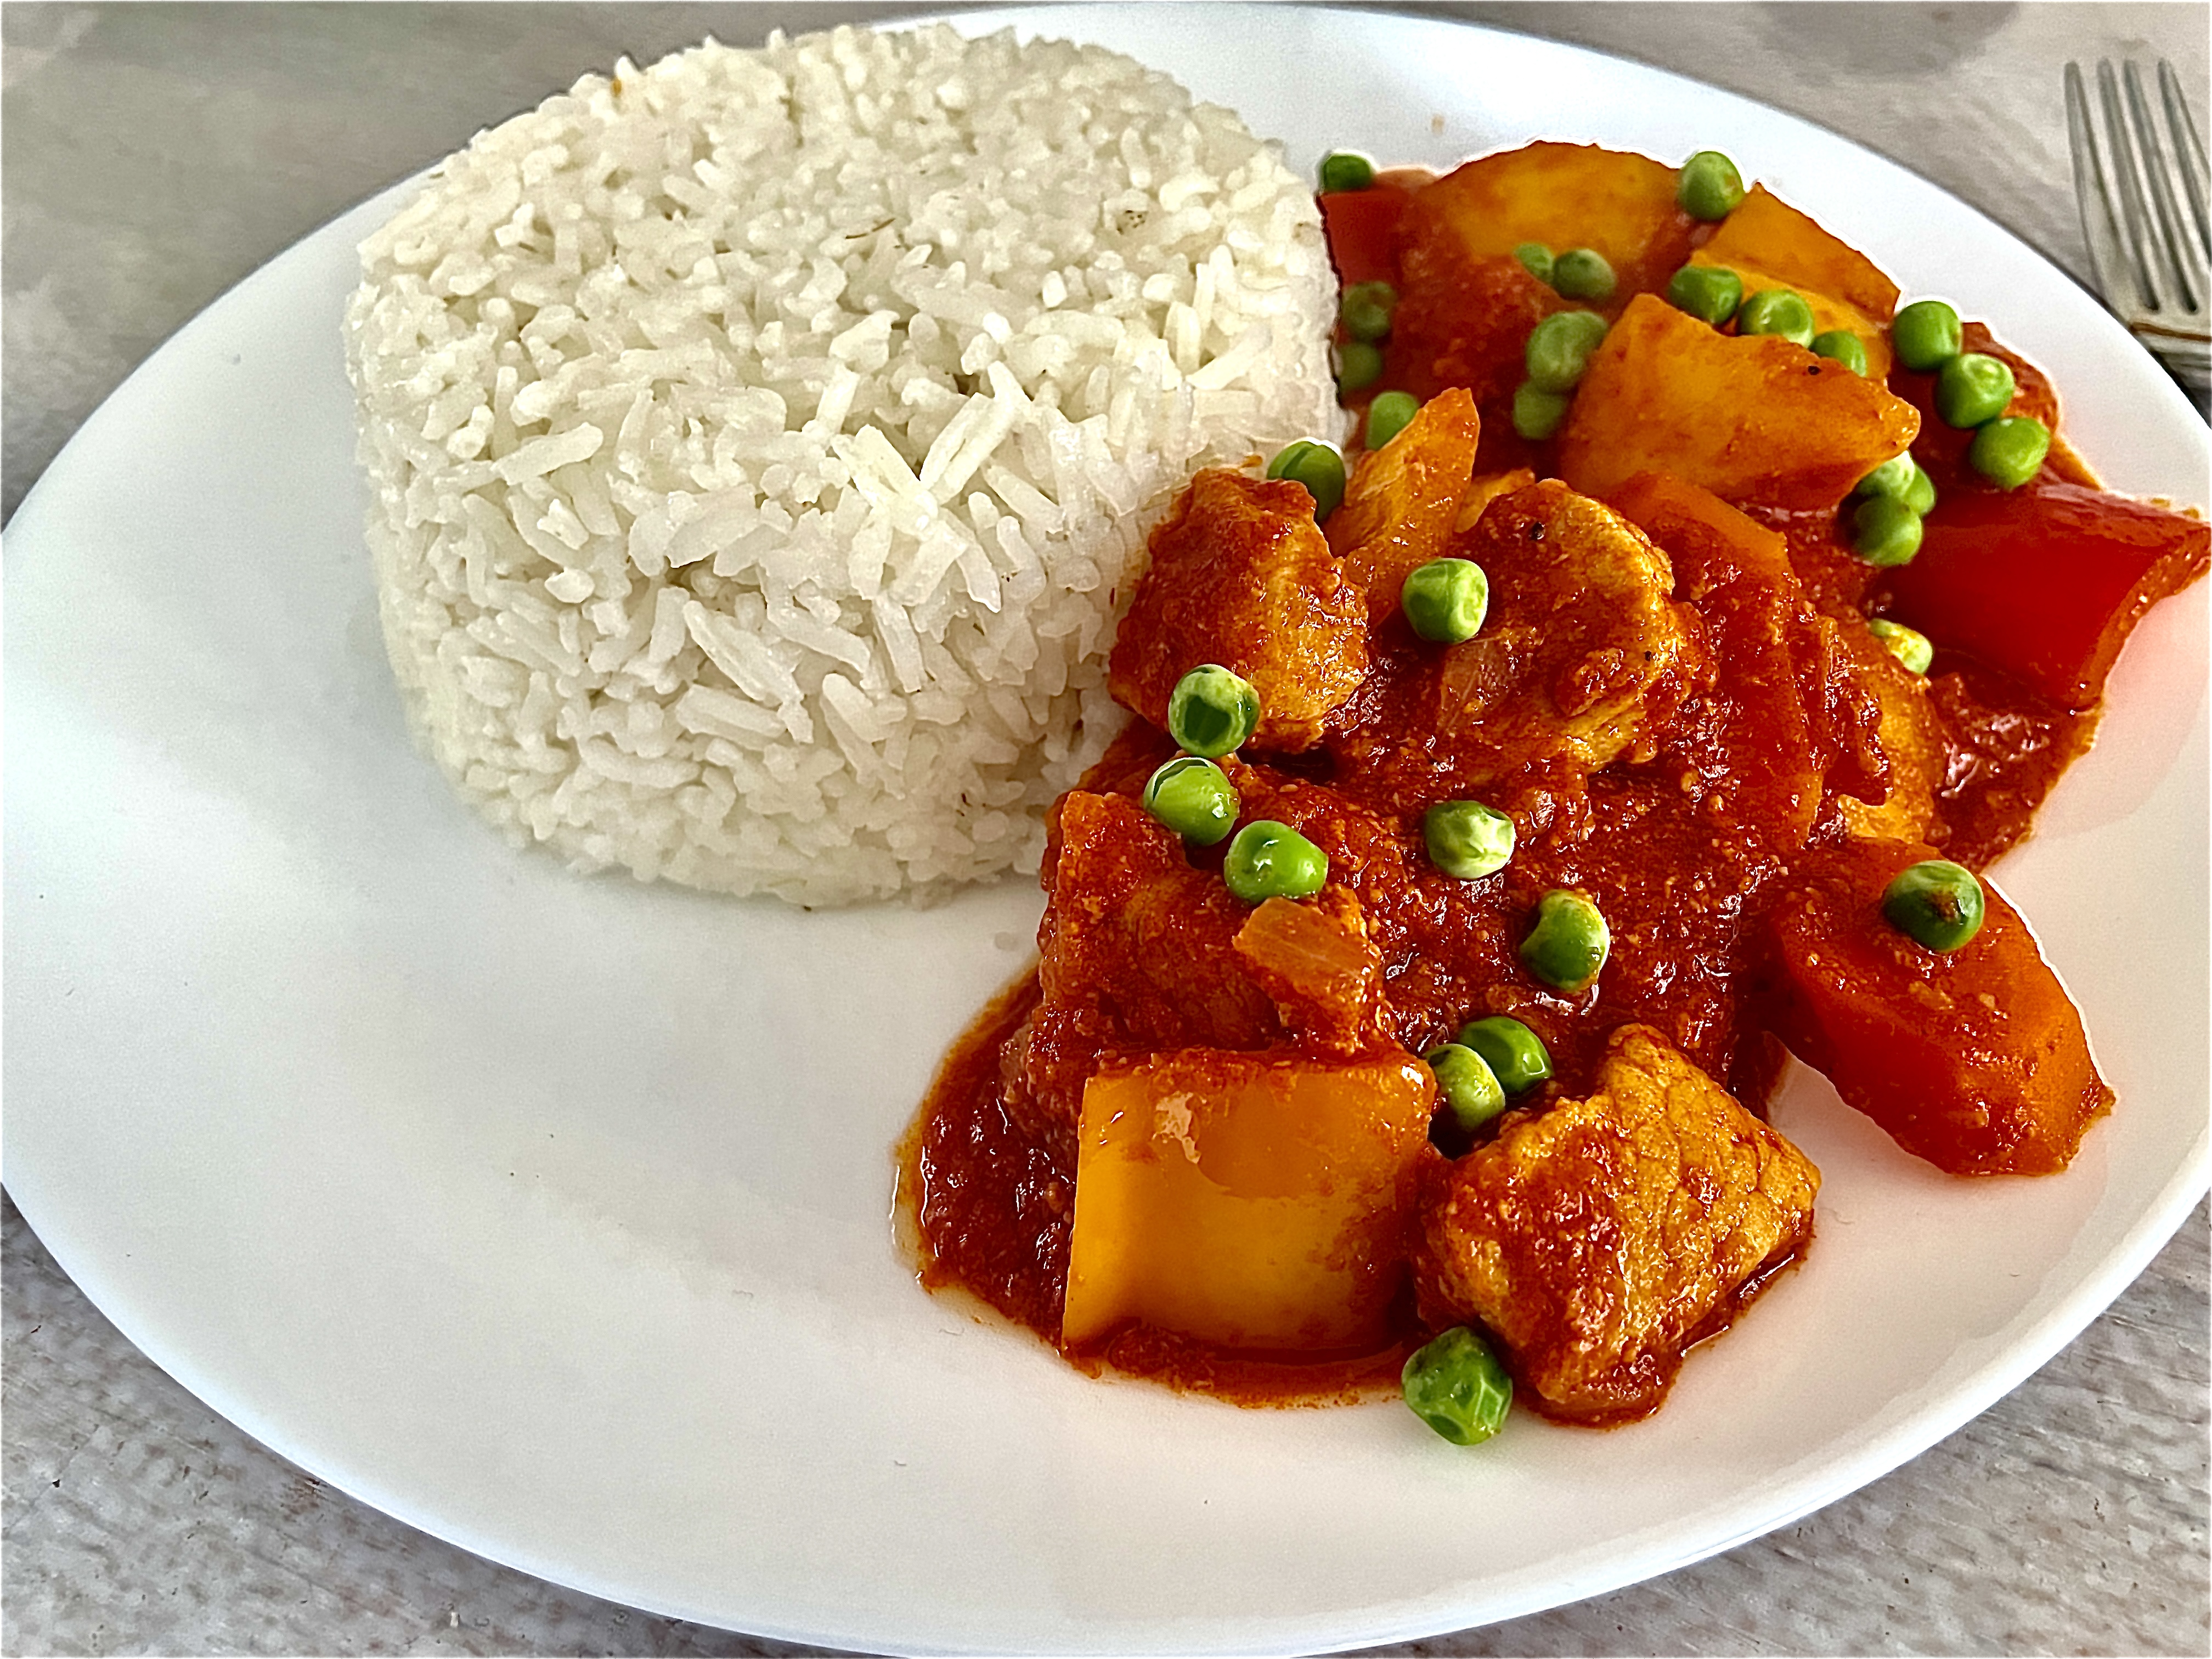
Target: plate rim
[[2152, 1229]]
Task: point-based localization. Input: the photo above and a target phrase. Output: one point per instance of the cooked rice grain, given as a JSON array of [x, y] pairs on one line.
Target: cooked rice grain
[[761, 440]]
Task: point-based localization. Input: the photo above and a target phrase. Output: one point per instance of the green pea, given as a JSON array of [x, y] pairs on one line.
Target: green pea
[[1709, 187], [1892, 478], [1582, 273], [1516, 1054], [1269, 860], [1925, 335], [1936, 904], [1366, 309], [1465, 1084], [1318, 467], [1777, 311], [2009, 450], [1467, 839], [1569, 942], [1920, 494], [1559, 349], [1536, 259], [1459, 1388], [1902, 479], [1346, 169], [1972, 387], [1212, 712], [1885, 531], [1359, 366], [1537, 414], [1843, 346], [1446, 600], [1194, 798], [1709, 293], [1391, 413], [1908, 645]]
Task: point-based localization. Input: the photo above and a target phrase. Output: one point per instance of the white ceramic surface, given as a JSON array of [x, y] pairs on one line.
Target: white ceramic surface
[[551, 1215]]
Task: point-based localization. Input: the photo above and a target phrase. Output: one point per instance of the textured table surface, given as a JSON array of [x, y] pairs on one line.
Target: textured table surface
[[153, 155]]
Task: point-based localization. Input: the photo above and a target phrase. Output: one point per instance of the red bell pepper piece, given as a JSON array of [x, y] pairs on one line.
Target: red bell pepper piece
[[2046, 581], [1361, 226]]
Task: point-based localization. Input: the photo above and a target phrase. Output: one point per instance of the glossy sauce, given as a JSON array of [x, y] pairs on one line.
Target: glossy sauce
[[992, 1205], [1685, 839], [2004, 749], [1675, 844]]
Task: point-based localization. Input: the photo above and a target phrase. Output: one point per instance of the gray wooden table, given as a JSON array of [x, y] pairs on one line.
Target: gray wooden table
[[154, 155]]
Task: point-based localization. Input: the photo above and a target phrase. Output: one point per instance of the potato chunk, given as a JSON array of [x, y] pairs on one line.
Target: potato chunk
[[1402, 499], [1973, 1059], [1600, 1238], [1766, 231], [1252, 1200], [1241, 576], [1770, 244], [1754, 419], [1562, 196]]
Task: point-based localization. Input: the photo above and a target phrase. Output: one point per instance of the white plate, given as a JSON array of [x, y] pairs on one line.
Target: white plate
[[551, 1215]]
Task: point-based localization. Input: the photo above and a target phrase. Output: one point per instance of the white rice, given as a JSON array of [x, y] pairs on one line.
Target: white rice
[[761, 440]]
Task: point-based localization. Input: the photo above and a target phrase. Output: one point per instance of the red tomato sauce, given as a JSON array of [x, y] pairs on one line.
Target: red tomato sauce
[[1694, 838]]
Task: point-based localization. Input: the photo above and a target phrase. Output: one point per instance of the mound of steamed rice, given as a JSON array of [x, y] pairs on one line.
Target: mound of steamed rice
[[761, 441]]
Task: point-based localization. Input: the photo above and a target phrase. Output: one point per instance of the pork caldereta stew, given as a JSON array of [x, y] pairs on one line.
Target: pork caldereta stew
[[1692, 628]]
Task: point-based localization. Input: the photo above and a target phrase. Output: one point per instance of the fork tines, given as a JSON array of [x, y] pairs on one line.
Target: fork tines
[[2142, 194]]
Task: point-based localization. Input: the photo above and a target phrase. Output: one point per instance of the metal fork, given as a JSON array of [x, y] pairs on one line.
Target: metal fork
[[2144, 214]]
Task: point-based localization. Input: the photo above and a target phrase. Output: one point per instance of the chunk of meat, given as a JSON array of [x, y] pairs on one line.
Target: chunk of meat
[[1317, 965], [1241, 575], [1973, 1059], [1402, 501], [1582, 653], [1753, 418], [1582, 627], [1137, 956], [1599, 1238]]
